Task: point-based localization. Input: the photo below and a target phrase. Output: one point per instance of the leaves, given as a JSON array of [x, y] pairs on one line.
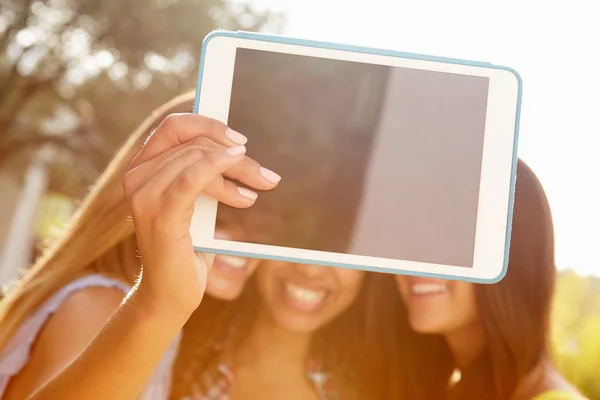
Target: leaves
[[576, 331], [82, 57]]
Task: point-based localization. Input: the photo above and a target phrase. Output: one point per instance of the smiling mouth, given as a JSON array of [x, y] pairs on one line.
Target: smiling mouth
[[231, 263], [427, 289], [302, 298]]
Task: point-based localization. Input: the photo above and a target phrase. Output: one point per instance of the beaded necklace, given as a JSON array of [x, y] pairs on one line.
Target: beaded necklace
[[217, 383]]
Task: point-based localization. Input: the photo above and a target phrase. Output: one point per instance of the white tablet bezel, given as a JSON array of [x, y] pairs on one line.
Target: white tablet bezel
[[496, 172]]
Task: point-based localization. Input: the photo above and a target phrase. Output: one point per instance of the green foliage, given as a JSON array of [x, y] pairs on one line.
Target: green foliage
[[576, 331], [80, 75]]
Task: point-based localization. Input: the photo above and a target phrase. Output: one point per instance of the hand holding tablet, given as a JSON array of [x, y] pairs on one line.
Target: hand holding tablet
[[391, 162], [187, 155]]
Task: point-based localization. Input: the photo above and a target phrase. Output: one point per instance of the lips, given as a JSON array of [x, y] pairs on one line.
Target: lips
[[231, 264], [427, 288], [302, 298]]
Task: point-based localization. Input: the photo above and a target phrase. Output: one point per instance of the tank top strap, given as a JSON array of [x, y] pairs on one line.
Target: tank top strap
[[15, 354]]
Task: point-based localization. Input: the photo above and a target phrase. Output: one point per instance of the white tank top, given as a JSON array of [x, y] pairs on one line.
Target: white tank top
[[16, 353]]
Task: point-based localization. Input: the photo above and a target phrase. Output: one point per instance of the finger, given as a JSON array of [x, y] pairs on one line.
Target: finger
[[178, 129], [181, 195], [231, 194], [137, 177], [150, 192], [249, 172], [252, 174]]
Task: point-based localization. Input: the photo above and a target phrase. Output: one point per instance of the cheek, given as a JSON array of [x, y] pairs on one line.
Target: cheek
[[262, 277], [350, 278], [266, 276], [252, 265], [223, 287], [350, 282], [465, 304]]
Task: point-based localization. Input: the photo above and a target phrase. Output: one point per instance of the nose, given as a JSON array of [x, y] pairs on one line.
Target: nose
[[311, 271]]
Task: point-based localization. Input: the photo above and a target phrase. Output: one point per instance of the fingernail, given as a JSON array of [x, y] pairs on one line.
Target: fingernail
[[269, 175], [236, 150], [249, 194], [235, 136], [222, 235]]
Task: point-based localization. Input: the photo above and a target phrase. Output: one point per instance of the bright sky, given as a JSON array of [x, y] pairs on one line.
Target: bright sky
[[550, 43]]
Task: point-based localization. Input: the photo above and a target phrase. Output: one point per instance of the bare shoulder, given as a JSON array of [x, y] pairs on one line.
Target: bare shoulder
[[66, 333], [89, 303], [77, 321]]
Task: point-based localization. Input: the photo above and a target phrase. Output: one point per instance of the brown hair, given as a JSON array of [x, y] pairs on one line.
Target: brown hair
[[515, 312]]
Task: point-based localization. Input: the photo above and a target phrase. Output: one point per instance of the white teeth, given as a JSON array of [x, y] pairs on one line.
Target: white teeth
[[427, 288], [304, 295], [235, 262]]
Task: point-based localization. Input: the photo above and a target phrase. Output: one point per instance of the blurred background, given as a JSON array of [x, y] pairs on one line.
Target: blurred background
[[77, 76]]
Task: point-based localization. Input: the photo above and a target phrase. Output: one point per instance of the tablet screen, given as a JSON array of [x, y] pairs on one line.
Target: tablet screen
[[375, 160]]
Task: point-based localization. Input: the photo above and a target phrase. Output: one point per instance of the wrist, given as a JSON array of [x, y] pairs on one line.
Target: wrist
[[149, 305]]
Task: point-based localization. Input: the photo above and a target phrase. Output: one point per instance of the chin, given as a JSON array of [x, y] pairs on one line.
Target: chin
[[221, 290], [298, 324], [225, 296], [425, 326]]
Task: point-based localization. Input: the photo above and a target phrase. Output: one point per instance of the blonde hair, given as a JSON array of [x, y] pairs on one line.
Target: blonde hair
[[100, 238]]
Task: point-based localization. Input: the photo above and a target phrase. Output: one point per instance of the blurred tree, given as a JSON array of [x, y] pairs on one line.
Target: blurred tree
[[81, 74], [576, 331]]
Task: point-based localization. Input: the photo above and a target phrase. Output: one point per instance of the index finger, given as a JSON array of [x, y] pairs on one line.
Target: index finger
[[177, 129]]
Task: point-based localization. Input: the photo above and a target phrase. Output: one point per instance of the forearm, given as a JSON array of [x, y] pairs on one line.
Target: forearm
[[120, 360]]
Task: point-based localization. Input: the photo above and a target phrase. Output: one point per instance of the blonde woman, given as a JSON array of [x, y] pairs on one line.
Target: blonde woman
[[67, 332], [84, 277]]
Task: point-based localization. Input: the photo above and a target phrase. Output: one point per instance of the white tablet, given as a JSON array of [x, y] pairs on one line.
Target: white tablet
[[390, 162]]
